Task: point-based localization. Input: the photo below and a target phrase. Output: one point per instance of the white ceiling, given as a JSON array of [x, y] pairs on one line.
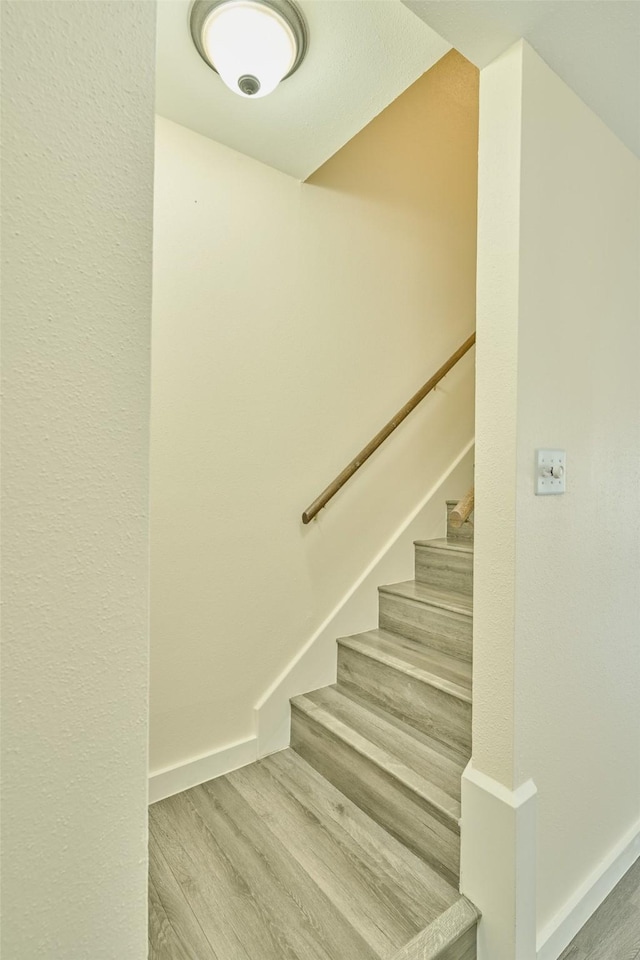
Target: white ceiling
[[594, 45], [362, 55]]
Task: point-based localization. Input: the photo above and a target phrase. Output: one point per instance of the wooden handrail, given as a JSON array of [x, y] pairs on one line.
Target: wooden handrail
[[386, 431], [462, 510]]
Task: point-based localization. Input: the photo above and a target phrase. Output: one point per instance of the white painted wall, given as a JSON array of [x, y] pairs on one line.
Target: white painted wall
[[557, 605], [577, 557], [77, 111], [290, 322]]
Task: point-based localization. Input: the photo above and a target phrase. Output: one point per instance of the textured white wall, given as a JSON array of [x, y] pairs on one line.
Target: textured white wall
[[558, 332], [290, 322], [577, 556], [77, 111]]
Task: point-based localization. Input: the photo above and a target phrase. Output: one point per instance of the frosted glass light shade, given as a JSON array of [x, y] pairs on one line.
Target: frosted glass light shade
[[251, 44]]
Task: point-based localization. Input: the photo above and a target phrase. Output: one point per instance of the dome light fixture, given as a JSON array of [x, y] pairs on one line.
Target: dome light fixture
[[251, 44]]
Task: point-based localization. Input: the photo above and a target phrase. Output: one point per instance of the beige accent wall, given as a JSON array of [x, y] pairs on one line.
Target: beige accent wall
[[290, 322], [557, 606], [77, 179]]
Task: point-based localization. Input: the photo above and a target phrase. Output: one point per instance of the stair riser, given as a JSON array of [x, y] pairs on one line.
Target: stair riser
[[442, 716], [439, 629], [465, 532], [445, 569], [464, 948], [404, 814]]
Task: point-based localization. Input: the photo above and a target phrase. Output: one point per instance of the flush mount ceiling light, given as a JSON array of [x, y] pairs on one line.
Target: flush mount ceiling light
[[251, 44]]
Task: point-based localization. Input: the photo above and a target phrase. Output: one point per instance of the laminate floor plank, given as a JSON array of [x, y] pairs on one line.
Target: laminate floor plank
[[629, 886], [621, 941], [204, 876], [315, 928], [573, 953], [373, 907], [613, 932], [174, 930], [164, 944], [251, 899]]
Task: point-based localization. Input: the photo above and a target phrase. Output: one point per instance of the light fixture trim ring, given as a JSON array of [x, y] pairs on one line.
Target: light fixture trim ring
[[290, 12]]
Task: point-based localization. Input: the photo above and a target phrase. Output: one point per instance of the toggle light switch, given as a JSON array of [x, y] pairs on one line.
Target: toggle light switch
[[551, 468]]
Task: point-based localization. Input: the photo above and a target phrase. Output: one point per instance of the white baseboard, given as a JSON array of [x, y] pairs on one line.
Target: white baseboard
[[559, 933], [498, 864], [165, 783], [316, 663]]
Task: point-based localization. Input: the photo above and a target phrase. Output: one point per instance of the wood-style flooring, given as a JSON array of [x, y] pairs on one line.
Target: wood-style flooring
[[272, 862], [613, 932]]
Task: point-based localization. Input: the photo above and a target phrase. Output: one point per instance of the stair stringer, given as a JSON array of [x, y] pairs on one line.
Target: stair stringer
[[315, 665]]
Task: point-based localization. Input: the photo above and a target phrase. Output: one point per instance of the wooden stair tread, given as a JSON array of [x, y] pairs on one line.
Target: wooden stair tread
[[423, 890], [403, 757], [430, 596], [414, 658], [458, 759]]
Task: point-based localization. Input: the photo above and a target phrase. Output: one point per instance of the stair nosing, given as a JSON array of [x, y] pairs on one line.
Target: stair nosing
[[394, 590], [424, 676], [452, 815], [442, 932], [442, 543]]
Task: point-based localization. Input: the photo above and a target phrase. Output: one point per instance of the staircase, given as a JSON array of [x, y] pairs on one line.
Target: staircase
[[366, 803], [394, 733]]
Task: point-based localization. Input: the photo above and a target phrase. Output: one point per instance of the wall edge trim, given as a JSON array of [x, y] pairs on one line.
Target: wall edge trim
[[513, 798], [498, 863]]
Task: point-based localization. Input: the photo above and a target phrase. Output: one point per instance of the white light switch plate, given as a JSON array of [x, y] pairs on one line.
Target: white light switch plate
[[551, 472]]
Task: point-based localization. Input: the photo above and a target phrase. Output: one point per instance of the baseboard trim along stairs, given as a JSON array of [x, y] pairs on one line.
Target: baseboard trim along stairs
[[347, 844]]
